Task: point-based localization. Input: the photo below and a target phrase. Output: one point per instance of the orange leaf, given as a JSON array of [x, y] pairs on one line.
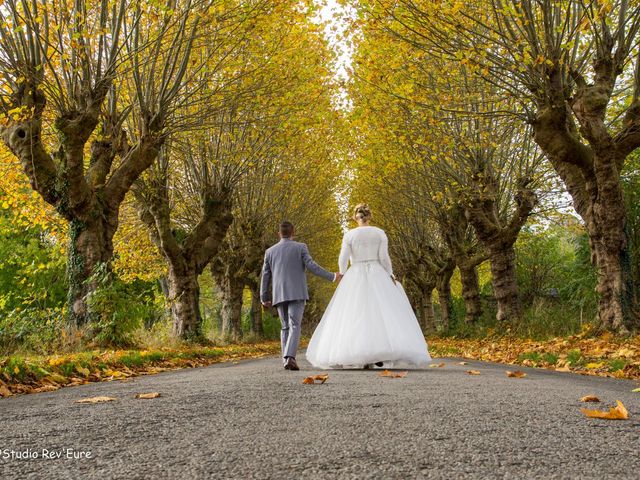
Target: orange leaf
[[319, 378], [516, 374], [390, 374], [619, 412], [473, 372], [589, 398], [4, 391]]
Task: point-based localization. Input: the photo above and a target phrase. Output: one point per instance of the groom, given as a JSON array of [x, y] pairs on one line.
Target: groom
[[284, 268]]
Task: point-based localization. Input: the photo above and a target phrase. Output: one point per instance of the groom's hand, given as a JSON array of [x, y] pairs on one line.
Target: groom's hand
[[266, 304], [338, 277]]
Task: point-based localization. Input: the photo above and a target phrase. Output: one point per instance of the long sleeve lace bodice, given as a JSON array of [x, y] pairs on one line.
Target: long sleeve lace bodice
[[365, 244]]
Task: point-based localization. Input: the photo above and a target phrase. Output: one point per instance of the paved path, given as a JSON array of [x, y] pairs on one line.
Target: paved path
[[254, 420]]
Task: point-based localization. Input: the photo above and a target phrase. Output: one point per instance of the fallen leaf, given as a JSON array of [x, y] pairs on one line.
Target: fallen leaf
[[321, 378], [83, 370], [589, 398], [4, 391], [563, 369], [308, 381], [636, 390], [436, 365], [390, 374], [148, 395], [619, 412], [516, 374], [473, 372], [45, 388], [96, 400], [594, 365], [463, 363]]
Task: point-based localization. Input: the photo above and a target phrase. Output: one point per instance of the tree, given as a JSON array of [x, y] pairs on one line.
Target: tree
[[87, 101], [573, 66]]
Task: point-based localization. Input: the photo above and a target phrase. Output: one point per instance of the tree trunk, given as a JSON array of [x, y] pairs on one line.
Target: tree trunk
[[184, 297], [426, 306], [232, 310], [256, 326], [90, 245], [444, 294], [592, 177], [505, 287], [470, 293]]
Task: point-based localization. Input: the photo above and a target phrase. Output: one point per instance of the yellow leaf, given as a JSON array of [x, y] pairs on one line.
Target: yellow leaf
[[148, 395], [390, 374], [96, 400], [593, 365], [83, 370], [473, 372], [589, 398], [619, 412]]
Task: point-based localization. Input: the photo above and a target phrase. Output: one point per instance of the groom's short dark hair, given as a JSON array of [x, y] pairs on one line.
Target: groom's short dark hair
[[286, 229]]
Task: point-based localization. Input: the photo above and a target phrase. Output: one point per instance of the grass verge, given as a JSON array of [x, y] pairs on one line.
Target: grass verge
[[33, 374], [603, 355]]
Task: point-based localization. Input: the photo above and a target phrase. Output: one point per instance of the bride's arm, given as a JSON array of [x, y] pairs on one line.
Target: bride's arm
[[345, 254], [383, 254]]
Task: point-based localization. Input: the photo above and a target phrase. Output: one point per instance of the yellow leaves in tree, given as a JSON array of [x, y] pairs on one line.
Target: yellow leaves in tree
[[390, 374], [619, 412], [316, 379]]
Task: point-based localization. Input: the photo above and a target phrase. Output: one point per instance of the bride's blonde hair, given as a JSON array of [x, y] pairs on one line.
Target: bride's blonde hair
[[362, 212]]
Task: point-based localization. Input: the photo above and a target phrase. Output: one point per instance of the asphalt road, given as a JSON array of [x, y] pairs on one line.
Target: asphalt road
[[254, 420]]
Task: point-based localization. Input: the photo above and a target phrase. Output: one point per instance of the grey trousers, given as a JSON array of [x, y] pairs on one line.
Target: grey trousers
[[290, 314]]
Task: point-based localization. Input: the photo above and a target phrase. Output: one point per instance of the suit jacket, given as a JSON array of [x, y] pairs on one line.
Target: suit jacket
[[284, 269]]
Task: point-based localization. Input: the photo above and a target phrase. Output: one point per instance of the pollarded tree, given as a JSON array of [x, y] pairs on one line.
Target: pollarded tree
[[574, 66], [88, 95]]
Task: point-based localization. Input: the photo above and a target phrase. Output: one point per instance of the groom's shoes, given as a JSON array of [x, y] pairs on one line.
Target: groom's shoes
[[379, 364], [291, 364]]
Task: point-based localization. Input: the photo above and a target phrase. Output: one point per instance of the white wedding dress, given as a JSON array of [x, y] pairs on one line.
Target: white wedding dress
[[369, 318]]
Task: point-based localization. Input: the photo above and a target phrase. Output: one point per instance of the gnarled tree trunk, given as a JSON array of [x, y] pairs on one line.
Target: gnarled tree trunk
[[256, 325], [444, 293], [184, 295], [470, 292], [186, 259], [427, 315], [232, 310], [592, 176], [505, 286]]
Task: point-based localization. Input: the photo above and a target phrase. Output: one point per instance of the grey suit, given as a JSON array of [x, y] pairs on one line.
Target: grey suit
[[284, 269]]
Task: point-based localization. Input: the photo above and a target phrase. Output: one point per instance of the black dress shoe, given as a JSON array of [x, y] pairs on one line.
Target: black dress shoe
[[379, 364], [291, 364]]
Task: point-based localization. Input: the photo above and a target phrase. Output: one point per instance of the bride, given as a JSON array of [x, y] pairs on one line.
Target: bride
[[369, 320]]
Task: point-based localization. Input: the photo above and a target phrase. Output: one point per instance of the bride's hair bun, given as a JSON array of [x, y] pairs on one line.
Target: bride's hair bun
[[362, 211]]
